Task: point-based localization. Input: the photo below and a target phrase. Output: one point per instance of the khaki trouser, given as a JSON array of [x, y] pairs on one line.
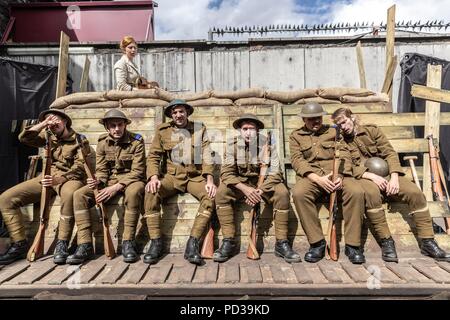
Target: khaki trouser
[[409, 193], [84, 199], [279, 197], [153, 206], [305, 195], [30, 192]]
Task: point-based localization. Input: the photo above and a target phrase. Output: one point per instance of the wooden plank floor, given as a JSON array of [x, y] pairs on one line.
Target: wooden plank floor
[[270, 276]]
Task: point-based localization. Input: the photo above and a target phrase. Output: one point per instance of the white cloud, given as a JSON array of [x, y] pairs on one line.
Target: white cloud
[[181, 19]]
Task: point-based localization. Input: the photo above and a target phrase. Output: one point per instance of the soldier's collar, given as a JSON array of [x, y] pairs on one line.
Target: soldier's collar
[[70, 137], [189, 125]]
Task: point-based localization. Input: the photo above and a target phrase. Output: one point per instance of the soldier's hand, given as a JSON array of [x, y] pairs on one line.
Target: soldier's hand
[[211, 189], [325, 183], [393, 186], [378, 180], [338, 184], [253, 196], [51, 120], [153, 185], [48, 181], [92, 183], [106, 194]]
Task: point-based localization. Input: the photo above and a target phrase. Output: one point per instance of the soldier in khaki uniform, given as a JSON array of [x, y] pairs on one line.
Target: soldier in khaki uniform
[[120, 169], [312, 152], [368, 141], [184, 149], [239, 177], [67, 175]]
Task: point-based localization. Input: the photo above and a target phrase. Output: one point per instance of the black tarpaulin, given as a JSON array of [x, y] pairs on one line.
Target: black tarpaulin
[[414, 71], [26, 89]]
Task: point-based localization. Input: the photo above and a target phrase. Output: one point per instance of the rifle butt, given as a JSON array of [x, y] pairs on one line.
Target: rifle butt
[[333, 244], [207, 251], [37, 248], [252, 252], [110, 251]]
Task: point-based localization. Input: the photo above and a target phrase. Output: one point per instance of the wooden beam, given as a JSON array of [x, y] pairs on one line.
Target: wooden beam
[[389, 76], [63, 65], [432, 119], [85, 75], [432, 94], [362, 71], [390, 41], [390, 35]]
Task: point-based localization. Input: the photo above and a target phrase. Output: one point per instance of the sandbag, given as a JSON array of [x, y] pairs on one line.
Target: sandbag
[[290, 96], [235, 95], [211, 102], [164, 95], [59, 103], [95, 105], [144, 93], [191, 96], [337, 92], [143, 103], [379, 97], [318, 100], [84, 97], [255, 101]]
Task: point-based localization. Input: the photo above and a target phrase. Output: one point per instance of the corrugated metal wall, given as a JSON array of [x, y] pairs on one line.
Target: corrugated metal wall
[[276, 68]]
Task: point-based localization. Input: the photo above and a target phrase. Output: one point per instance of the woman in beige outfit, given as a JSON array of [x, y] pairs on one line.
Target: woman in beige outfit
[[125, 71]]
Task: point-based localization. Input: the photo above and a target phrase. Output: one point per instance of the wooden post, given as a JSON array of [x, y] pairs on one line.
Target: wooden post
[[433, 94], [432, 121], [85, 75], [63, 65], [278, 126], [389, 77], [390, 41], [362, 71]]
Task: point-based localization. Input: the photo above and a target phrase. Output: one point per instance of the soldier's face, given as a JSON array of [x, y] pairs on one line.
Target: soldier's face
[[347, 124], [313, 124], [249, 131], [179, 116], [116, 128], [57, 124]]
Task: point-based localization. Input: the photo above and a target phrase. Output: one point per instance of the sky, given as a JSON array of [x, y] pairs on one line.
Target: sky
[[188, 20]]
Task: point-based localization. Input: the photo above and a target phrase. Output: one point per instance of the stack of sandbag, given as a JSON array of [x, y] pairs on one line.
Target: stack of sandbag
[[241, 98]]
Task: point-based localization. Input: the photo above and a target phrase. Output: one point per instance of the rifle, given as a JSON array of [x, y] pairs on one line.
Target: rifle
[[437, 176], [252, 252], [207, 251], [110, 252], [332, 245], [37, 248]]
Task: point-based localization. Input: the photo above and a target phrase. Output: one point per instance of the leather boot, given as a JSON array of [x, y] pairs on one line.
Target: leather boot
[[61, 252], [388, 252], [129, 251], [225, 251], [283, 249], [354, 254], [154, 252], [430, 248], [83, 253], [192, 252], [17, 250], [316, 251]]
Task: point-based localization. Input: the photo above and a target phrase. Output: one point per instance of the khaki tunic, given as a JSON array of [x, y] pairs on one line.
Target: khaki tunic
[[313, 153], [118, 161], [369, 141], [274, 190], [66, 162], [182, 159], [126, 73]]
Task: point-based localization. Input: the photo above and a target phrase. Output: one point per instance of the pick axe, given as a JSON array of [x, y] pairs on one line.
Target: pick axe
[[413, 169]]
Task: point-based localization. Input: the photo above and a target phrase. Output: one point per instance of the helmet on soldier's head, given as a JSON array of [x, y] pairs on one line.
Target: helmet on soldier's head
[[114, 114], [377, 166], [248, 117], [312, 110], [178, 102]]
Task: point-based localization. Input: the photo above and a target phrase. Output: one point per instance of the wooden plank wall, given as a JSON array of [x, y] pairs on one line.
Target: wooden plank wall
[[179, 212]]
